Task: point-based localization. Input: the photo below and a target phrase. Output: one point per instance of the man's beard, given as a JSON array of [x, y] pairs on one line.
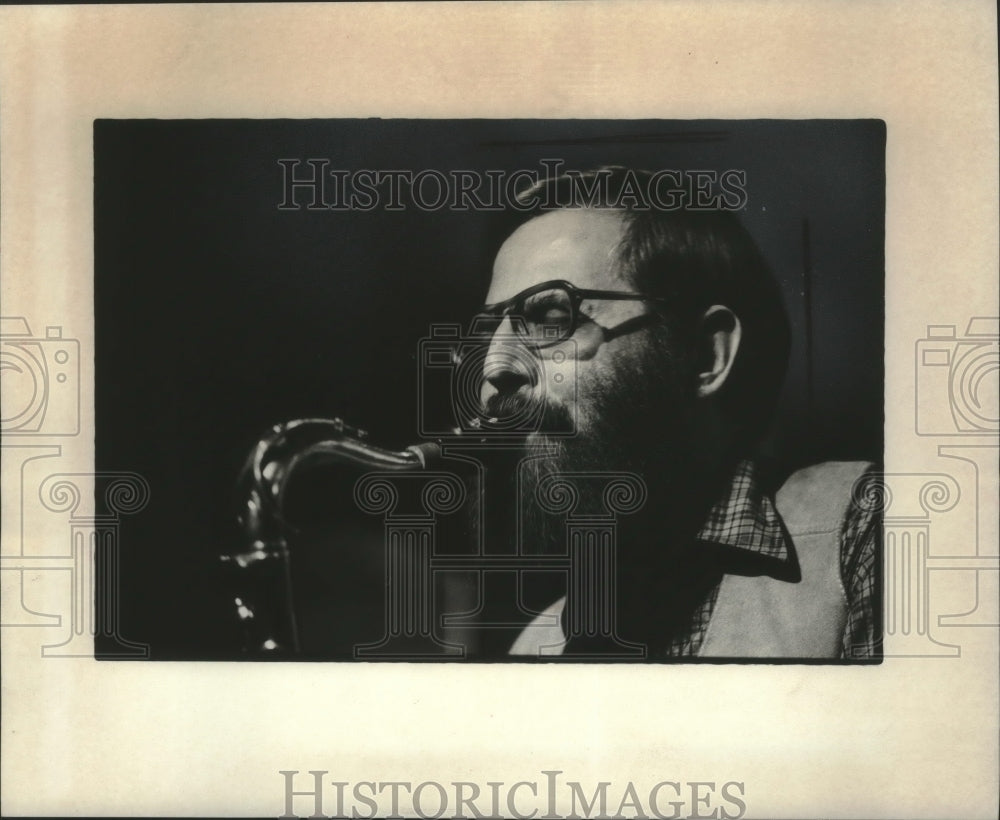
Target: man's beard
[[638, 421]]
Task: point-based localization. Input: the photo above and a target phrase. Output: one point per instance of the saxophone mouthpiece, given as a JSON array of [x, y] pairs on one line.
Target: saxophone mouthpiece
[[428, 453]]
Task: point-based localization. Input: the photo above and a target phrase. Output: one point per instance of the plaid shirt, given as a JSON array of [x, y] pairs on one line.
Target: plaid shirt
[[746, 519]]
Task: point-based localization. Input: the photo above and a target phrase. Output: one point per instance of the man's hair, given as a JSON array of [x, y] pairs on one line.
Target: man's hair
[[694, 258]]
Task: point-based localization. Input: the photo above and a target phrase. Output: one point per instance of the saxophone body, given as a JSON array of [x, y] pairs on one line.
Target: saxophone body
[[261, 567]]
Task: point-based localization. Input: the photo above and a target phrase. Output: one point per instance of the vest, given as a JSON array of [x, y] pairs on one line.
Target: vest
[[759, 616]]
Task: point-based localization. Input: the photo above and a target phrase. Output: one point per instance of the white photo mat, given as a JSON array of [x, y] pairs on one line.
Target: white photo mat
[[913, 737]]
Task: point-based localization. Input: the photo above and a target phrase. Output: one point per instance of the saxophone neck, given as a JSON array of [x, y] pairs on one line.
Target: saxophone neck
[[264, 598], [287, 447]]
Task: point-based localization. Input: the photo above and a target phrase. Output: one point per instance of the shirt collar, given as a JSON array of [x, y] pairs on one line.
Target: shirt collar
[[745, 517]]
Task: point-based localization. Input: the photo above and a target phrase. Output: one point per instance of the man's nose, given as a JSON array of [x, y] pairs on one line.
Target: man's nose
[[509, 364]]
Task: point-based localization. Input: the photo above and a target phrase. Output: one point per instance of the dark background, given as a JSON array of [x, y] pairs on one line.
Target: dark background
[[218, 314]]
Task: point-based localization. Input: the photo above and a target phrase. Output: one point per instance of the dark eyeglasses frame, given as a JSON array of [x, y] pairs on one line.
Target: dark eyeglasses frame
[[577, 295]]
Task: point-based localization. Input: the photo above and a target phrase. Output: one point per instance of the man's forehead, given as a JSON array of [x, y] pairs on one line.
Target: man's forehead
[[577, 244]]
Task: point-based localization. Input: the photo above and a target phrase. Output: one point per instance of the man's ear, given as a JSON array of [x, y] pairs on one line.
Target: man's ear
[[719, 339]]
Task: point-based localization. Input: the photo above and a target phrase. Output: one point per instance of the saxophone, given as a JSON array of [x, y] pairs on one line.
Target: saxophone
[[263, 596]]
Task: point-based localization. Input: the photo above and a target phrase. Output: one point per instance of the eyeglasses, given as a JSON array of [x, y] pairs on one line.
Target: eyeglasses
[[547, 313]]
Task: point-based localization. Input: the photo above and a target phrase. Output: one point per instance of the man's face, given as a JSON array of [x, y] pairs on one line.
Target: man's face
[[627, 390], [578, 246]]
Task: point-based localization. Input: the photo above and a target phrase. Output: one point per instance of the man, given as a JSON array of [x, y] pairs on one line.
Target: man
[[680, 342]]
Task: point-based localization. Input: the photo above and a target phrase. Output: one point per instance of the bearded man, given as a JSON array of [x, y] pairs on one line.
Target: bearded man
[[680, 341]]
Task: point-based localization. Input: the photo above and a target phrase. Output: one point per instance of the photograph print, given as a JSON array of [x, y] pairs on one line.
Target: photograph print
[[492, 390]]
